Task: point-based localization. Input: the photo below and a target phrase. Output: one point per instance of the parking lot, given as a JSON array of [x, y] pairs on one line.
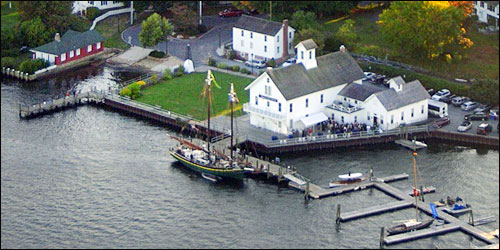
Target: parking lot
[[456, 115]]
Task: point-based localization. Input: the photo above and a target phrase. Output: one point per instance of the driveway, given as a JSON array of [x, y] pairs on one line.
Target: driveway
[[456, 115], [201, 47]]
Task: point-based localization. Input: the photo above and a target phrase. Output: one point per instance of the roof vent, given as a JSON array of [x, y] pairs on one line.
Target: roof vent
[[342, 48]]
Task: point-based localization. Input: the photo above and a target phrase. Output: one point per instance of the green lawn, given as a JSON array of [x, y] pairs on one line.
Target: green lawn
[[481, 61], [10, 17], [184, 94], [111, 29]]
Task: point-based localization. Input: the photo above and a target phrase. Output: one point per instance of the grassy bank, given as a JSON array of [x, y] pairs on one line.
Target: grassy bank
[[111, 29], [184, 94], [481, 60], [10, 16]]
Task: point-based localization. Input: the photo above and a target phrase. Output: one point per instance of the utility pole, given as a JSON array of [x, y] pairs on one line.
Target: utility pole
[[200, 11], [131, 12]]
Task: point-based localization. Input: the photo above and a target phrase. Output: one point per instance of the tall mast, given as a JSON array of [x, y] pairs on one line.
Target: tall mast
[[415, 183], [208, 80], [232, 100]]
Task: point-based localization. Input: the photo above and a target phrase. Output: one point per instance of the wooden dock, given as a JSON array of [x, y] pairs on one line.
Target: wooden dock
[[375, 210], [432, 231], [410, 144]]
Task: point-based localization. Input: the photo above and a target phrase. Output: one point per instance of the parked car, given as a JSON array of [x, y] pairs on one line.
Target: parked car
[[255, 63], [459, 100], [494, 114], [464, 126], [230, 13], [24, 49], [368, 75], [445, 99], [431, 92], [483, 129], [441, 122], [251, 12], [482, 108], [476, 117], [289, 62], [469, 105], [440, 94]]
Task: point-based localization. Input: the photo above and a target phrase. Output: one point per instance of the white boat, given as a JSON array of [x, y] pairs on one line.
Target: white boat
[[350, 177], [346, 179]]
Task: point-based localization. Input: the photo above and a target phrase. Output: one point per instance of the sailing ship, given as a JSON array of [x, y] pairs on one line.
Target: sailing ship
[[349, 178], [412, 224], [203, 159]]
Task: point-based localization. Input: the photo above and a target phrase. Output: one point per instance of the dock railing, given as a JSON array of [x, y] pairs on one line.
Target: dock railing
[[333, 137]]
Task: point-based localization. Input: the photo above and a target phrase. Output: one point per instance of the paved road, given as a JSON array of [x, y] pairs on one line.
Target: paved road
[[201, 47]]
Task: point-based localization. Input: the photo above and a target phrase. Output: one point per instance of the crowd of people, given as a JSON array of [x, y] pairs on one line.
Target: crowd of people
[[331, 126]]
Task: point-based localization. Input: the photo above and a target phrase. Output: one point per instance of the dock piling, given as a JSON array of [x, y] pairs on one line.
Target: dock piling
[[471, 217], [337, 220], [422, 193], [382, 234]]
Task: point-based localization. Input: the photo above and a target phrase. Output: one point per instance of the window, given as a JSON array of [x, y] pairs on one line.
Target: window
[[345, 99], [242, 44], [289, 45], [89, 48], [307, 102], [63, 57], [268, 103], [291, 108], [381, 119], [482, 4], [78, 52], [392, 119], [265, 38], [104, 2], [279, 107], [242, 33], [71, 54], [268, 80], [251, 35], [256, 100], [98, 45], [321, 98], [278, 49], [265, 48], [422, 108], [355, 101], [368, 115], [412, 110], [268, 90], [333, 116], [310, 54], [302, 55], [290, 34], [355, 119], [402, 116], [278, 39], [342, 119], [251, 45]]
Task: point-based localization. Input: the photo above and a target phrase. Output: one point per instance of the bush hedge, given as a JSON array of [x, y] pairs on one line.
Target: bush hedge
[[235, 68], [180, 71], [9, 62], [132, 90], [484, 91], [92, 13], [212, 62], [167, 75], [244, 70], [30, 66], [157, 54], [271, 63], [221, 65]]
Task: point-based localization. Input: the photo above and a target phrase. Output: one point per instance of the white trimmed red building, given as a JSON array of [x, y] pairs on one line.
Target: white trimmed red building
[[71, 46]]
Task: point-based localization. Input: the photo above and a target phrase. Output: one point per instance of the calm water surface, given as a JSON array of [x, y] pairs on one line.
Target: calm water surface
[[91, 178]]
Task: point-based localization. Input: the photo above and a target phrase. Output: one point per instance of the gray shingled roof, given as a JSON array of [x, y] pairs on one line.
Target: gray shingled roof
[[333, 69], [398, 80], [412, 92], [309, 44], [258, 25], [71, 40], [360, 92]]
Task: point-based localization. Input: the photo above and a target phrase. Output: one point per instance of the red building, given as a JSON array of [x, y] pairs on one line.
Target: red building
[[71, 46]]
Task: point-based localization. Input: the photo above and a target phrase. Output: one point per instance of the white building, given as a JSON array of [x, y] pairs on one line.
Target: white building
[[304, 94], [262, 39], [81, 6], [487, 12]]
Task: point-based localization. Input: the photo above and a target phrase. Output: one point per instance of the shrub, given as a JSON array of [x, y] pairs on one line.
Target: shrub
[[141, 83], [157, 54], [244, 70], [202, 28], [271, 63], [10, 52], [154, 78], [30, 66], [181, 69], [9, 62], [221, 65], [125, 92], [232, 55], [167, 75], [212, 62], [332, 44], [235, 68], [135, 90], [92, 13]]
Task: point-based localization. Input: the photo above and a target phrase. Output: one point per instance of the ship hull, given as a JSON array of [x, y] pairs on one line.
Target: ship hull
[[236, 174]]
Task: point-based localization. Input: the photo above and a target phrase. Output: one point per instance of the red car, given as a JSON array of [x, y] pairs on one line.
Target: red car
[[230, 13], [441, 122]]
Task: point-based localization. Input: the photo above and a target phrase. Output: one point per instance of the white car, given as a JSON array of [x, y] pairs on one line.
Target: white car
[[368, 75], [440, 94], [466, 125], [468, 106], [289, 62], [459, 100], [256, 63]]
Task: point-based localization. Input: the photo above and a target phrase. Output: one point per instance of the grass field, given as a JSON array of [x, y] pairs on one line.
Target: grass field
[[481, 60], [184, 94], [111, 29], [10, 17]]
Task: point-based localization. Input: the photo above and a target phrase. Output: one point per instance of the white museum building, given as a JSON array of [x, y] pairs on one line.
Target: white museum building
[[330, 86]]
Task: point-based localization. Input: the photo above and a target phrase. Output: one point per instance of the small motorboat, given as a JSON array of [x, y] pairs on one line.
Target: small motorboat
[[346, 179], [209, 177], [410, 225]]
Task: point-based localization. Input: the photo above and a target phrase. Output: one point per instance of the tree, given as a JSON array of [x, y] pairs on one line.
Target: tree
[[155, 29], [303, 20], [35, 33], [347, 35], [183, 18], [316, 35], [430, 29], [54, 14]]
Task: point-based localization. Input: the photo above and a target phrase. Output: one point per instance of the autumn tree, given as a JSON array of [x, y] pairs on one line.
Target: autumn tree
[[421, 28], [155, 29], [184, 18], [347, 35]]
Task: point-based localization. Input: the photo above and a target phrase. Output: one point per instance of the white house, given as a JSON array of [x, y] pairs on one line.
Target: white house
[[314, 89], [81, 6], [261, 39], [487, 12]]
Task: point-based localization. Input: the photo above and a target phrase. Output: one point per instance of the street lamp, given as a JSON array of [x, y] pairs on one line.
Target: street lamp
[[251, 62]]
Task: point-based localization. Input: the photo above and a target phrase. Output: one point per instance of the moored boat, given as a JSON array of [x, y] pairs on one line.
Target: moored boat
[[408, 226], [346, 179]]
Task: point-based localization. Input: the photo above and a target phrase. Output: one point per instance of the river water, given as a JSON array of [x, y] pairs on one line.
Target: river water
[[92, 178]]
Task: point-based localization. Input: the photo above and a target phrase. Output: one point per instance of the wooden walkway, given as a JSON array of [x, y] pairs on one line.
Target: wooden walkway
[[375, 210], [418, 234]]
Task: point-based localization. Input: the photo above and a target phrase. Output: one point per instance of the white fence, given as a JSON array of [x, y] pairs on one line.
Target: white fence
[[109, 13]]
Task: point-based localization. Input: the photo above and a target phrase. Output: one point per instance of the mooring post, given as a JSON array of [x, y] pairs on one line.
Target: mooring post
[[306, 193], [422, 193], [371, 173], [471, 217], [337, 219], [382, 237]]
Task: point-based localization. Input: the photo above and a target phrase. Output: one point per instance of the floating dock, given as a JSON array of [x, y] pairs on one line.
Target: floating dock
[[375, 210], [418, 234]]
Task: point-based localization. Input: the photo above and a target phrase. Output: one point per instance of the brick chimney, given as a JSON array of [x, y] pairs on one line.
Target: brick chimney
[[285, 38], [57, 37]]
